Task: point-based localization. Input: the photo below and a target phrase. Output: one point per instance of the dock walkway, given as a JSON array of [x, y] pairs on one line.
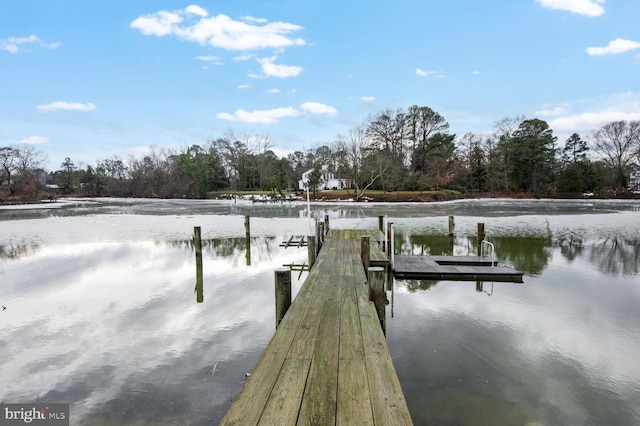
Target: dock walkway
[[328, 362]]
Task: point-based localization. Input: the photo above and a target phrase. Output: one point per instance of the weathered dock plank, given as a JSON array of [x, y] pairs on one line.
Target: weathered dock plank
[[328, 362]]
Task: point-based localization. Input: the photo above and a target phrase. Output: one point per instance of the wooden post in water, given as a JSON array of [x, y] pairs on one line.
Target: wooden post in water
[[283, 293], [311, 250], [389, 243], [391, 246], [452, 227], [326, 224], [377, 294], [197, 245], [381, 228], [481, 236], [365, 252], [321, 232], [247, 232]]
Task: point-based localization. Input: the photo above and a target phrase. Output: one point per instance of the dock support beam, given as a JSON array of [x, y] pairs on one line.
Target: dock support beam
[[389, 250], [311, 250], [283, 293], [319, 236], [377, 294], [326, 224], [382, 232], [365, 253]]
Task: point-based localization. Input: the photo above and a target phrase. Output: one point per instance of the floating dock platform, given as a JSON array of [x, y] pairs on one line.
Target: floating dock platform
[[454, 268]]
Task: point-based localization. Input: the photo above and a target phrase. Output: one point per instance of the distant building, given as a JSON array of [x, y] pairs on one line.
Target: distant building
[[41, 176], [634, 181], [328, 180]]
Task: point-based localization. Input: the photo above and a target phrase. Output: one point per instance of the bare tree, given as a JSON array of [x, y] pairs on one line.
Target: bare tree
[[355, 152], [618, 143], [18, 168]]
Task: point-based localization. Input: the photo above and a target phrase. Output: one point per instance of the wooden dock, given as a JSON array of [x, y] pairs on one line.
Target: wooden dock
[[328, 362], [454, 268]]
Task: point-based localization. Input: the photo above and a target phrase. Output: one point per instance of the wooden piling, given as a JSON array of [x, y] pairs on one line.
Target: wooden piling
[[365, 252], [197, 245], [389, 243], [283, 293], [247, 238], [481, 237], [452, 227], [376, 292], [311, 250], [320, 234], [382, 232], [326, 224]]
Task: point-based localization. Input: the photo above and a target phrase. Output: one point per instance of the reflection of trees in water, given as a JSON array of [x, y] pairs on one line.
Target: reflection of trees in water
[[10, 251], [571, 246], [612, 255], [420, 244], [417, 285], [615, 255], [529, 254], [230, 247]]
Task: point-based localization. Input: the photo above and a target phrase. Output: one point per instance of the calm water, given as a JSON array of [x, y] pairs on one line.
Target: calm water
[[101, 310]]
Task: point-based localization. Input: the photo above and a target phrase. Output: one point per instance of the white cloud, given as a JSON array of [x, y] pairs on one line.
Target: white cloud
[[256, 20], [273, 91], [244, 57], [423, 73], [560, 110], [210, 58], [67, 106], [274, 115], [593, 113], [259, 116], [196, 10], [195, 25], [367, 98], [614, 47], [580, 7], [590, 120], [35, 140], [244, 86], [318, 108], [14, 44], [475, 72], [282, 71]]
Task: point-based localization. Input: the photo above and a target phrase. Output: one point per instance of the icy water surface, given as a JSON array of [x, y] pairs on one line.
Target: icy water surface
[[101, 310]]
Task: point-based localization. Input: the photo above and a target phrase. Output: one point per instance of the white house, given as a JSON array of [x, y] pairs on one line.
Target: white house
[[328, 180], [634, 181]]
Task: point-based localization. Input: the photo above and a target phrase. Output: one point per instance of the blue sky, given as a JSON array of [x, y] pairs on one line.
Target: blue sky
[[95, 79]]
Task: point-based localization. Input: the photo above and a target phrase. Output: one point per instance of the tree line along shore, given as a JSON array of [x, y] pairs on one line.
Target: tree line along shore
[[394, 155]]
